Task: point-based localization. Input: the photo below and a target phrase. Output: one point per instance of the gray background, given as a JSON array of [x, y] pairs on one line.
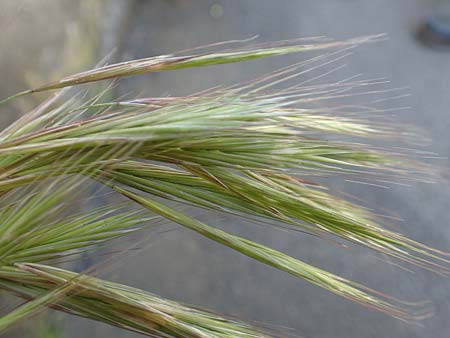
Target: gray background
[[184, 267]]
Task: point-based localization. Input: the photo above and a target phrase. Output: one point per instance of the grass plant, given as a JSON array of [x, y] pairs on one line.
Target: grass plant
[[256, 150]]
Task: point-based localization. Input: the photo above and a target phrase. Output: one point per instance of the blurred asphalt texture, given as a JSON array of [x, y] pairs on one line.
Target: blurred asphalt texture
[[184, 267]]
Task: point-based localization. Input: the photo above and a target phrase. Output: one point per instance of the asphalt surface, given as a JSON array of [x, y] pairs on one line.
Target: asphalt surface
[[183, 266]]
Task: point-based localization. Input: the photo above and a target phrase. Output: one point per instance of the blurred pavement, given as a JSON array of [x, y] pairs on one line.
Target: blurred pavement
[[184, 267]]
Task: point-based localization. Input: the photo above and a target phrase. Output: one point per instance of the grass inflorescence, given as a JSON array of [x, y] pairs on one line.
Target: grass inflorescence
[[247, 150]]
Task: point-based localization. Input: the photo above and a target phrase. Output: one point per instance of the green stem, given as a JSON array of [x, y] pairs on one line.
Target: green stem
[[12, 97]]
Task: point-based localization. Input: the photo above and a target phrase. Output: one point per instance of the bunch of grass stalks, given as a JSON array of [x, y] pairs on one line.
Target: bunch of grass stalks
[[248, 150]]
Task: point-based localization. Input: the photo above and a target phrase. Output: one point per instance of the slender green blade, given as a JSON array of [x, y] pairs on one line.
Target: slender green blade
[[271, 257]]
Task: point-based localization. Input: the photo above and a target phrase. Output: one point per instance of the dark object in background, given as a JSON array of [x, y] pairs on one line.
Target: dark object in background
[[435, 32]]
